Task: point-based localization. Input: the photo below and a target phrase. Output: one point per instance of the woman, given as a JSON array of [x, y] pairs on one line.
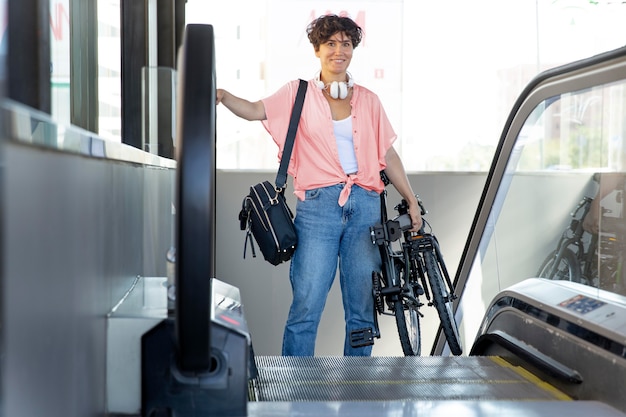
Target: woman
[[344, 140]]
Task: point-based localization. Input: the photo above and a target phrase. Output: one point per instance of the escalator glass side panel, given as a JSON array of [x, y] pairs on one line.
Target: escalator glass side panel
[[553, 204]]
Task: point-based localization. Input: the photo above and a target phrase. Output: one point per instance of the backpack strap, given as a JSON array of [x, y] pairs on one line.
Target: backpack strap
[[281, 176]]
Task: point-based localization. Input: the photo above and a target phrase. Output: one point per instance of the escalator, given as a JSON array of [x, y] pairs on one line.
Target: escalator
[[542, 347]]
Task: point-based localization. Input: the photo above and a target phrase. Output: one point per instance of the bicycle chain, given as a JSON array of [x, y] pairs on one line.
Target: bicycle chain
[[376, 291]]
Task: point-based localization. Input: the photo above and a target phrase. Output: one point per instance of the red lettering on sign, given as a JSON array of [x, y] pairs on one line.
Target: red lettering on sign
[[58, 16]]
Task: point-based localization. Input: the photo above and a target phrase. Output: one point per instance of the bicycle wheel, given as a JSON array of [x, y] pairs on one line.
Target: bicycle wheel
[[407, 320], [568, 268], [443, 303]]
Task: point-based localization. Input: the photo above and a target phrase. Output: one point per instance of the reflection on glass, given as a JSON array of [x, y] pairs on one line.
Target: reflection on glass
[[591, 248], [559, 209], [158, 110], [605, 221]]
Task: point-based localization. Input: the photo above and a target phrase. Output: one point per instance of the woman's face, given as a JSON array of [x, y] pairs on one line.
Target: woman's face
[[335, 54]]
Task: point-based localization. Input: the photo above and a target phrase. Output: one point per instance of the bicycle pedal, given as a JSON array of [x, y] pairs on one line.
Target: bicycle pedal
[[361, 337]]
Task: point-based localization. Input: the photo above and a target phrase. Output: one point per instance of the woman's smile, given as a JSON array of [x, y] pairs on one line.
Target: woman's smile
[[335, 55]]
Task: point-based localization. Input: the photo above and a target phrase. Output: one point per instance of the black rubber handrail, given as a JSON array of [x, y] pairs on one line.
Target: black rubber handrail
[[195, 211], [527, 353]]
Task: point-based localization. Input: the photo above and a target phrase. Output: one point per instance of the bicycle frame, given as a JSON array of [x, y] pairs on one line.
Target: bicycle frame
[[427, 242], [407, 274]]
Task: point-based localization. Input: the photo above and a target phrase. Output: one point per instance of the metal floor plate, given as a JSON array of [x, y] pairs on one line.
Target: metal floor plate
[[432, 378], [433, 409]]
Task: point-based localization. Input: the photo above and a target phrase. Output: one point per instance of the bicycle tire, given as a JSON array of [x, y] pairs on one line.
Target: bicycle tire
[[442, 303], [567, 270], [408, 322]]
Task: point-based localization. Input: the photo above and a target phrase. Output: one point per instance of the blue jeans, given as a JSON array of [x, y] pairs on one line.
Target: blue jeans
[[330, 235]]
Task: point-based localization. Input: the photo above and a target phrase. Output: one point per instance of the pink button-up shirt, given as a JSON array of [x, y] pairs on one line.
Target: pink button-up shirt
[[315, 159]]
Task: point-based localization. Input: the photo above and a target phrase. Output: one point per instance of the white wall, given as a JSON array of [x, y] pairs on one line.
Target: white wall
[[451, 199]]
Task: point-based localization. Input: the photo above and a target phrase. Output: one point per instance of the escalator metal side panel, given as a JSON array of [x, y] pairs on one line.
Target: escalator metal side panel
[[570, 324]]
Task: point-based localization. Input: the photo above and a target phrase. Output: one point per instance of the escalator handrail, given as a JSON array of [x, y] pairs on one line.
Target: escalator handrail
[[195, 213]]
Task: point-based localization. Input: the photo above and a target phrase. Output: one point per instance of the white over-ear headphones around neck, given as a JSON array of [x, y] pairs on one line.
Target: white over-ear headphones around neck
[[336, 89]]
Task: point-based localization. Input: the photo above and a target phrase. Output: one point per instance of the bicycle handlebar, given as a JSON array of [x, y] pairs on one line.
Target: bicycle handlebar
[[584, 202], [404, 219]]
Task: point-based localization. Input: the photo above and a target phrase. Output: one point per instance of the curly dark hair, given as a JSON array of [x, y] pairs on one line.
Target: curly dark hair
[[322, 28]]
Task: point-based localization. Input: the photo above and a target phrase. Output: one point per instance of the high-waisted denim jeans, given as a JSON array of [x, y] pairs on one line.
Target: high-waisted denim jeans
[[330, 235]]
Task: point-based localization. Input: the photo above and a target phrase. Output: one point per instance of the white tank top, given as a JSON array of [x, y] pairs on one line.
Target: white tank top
[[345, 145]]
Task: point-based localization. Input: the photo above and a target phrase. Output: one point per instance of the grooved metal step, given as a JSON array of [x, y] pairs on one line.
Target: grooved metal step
[[430, 378]]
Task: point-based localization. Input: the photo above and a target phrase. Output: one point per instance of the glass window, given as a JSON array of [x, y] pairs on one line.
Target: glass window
[[60, 57], [109, 70], [109, 64], [448, 73]]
